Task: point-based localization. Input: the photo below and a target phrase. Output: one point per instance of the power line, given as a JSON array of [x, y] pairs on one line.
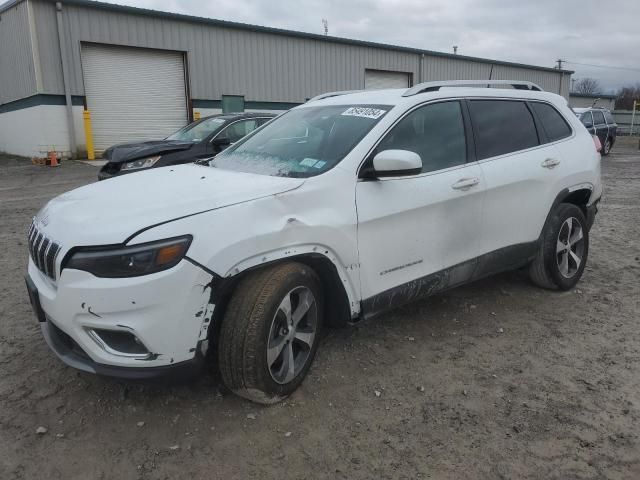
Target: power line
[[603, 66]]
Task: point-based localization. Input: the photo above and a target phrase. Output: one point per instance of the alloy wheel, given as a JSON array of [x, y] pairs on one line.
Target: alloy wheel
[[570, 247], [292, 335]]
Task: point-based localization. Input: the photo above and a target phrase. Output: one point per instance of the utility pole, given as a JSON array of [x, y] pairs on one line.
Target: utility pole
[[559, 67], [455, 49], [325, 24]]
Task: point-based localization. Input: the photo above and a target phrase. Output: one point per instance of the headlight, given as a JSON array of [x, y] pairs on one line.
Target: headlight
[[142, 163], [131, 261]]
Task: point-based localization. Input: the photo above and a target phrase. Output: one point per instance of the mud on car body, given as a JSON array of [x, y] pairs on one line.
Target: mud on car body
[[341, 208]]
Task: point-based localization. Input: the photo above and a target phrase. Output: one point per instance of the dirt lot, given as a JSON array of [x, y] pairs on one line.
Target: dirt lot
[[494, 380]]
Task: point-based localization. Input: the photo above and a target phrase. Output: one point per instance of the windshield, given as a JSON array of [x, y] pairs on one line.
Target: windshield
[[303, 142], [197, 131]]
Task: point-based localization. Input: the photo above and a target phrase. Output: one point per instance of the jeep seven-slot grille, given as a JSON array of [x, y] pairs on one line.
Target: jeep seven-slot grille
[[43, 251]]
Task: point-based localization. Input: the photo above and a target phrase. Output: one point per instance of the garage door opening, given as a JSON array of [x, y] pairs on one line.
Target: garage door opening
[[379, 79], [133, 94]]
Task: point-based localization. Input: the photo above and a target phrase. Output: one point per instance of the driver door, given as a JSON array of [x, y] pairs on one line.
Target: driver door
[[419, 234]]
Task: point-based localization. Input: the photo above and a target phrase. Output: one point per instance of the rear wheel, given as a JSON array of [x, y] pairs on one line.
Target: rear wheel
[[563, 251], [270, 332], [606, 148]]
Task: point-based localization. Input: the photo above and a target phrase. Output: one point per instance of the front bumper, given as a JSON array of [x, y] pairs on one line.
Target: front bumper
[[167, 312], [71, 354]]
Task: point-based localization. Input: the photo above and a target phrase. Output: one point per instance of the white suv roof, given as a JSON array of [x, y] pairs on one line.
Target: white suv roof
[[434, 90]]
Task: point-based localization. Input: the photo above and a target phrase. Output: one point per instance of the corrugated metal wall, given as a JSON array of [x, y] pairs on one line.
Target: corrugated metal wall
[[262, 66], [17, 68]]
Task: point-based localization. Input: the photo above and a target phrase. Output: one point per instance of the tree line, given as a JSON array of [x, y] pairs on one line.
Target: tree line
[[625, 96]]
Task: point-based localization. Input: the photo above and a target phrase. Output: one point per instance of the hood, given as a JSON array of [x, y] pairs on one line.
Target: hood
[[110, 212], [133, 151]]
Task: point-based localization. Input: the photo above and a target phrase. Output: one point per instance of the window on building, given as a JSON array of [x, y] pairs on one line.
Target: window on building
[[435, 132], [232, 103], [554, 125], [502, 126]]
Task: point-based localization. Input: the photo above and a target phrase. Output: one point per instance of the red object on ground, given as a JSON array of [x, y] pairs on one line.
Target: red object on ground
[[53, 159]]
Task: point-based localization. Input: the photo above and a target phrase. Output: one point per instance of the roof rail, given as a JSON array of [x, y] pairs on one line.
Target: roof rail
[[332, 94], [435, 86]]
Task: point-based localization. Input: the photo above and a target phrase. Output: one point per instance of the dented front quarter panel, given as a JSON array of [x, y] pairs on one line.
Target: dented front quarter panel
[[302, 221]]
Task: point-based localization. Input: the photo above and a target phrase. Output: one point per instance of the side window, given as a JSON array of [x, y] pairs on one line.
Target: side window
[[502, 126], [598, 117], [435, 132], [586, 119], [609, 118], [554, 125], [236, 131]]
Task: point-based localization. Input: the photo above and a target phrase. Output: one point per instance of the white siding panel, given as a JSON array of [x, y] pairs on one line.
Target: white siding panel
[[378, 79], [133, 93], [262, 66], [17, 69]]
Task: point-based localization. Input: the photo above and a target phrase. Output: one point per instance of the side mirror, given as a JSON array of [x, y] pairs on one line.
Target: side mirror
[[396, 163], [588, 125]]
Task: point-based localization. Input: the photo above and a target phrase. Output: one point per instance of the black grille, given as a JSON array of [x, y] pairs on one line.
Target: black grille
[[43, 251]]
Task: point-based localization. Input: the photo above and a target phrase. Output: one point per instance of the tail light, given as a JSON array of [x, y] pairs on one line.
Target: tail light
[[597, 143]]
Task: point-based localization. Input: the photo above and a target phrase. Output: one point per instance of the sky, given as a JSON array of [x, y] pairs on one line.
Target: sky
[[537, 32]]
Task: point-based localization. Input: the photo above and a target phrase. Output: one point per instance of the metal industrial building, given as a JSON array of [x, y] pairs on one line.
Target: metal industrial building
[[142, 73]]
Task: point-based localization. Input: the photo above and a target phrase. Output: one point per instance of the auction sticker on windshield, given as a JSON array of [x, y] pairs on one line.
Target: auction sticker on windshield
[[365, 112]]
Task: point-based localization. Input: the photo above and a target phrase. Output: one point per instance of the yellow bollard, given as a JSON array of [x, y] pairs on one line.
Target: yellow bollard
[[196, 115], [91, 154]]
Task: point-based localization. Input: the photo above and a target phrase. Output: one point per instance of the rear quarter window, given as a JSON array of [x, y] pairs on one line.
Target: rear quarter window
[[554, 125], [609, 118], [502, 126]]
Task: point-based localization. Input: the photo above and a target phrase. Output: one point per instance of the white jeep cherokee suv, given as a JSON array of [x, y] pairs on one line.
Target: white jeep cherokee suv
[[348, 205]]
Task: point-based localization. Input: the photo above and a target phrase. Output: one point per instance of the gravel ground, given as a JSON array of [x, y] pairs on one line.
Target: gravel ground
[[497, 379]]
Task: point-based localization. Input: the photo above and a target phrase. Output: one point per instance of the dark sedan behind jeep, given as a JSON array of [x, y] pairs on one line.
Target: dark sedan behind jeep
[[600, 122], [201, 139]]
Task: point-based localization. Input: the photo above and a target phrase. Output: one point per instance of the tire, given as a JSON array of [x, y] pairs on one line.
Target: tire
[[555, 265], [606, 148], [256, 324]]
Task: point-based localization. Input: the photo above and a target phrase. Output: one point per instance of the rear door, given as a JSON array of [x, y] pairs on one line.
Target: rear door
[[519, 169], [611, 123], [600, 125], [420, 233]]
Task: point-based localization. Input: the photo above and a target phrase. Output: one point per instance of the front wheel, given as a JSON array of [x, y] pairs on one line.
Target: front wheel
[[563, 250], [270, 332]]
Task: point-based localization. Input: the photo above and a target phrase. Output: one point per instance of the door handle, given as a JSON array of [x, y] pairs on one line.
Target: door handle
[[465, 183], [551, 163]]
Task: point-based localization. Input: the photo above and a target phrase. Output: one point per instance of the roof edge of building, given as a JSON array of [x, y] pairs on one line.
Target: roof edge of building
[[280, 31], [592, 95]]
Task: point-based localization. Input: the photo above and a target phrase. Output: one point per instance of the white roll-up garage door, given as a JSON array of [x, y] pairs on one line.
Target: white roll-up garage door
[[378, 79], [133, 93]]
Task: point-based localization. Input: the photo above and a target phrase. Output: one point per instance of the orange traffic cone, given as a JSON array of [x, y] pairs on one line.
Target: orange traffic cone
[[53, 159]]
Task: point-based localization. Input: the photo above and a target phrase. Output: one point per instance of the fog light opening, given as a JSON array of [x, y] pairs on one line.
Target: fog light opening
[[118, 342]]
